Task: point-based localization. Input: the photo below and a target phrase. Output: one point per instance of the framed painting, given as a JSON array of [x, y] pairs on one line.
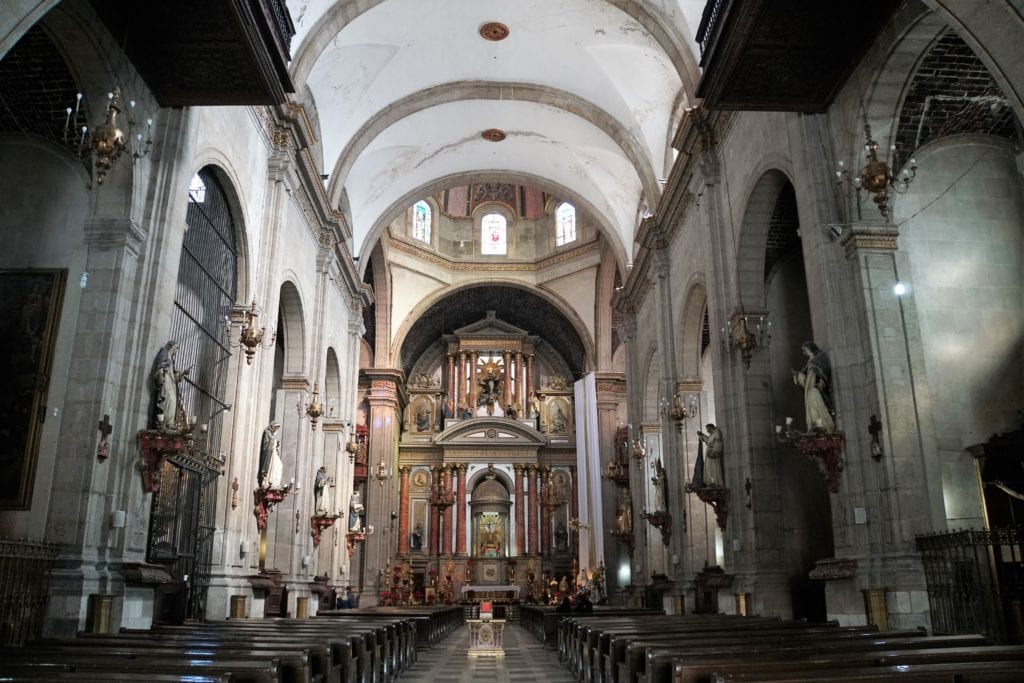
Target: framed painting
[[30, 302]]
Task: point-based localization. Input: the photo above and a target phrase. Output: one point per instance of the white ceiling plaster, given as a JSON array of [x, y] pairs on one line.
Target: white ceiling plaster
[[589, 50]]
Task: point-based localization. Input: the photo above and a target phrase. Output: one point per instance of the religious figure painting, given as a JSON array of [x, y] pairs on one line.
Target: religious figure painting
[[30, 302]]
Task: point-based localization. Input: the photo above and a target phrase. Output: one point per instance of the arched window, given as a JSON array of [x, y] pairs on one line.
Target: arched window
[[565, 224], [492, 234], [204, 297], [421, 221]]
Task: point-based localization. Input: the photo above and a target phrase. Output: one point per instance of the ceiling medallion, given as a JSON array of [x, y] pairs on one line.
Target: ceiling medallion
[[493, 135], [494, 30]]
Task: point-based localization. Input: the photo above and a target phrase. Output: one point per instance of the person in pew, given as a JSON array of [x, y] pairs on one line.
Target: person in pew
[[583, 603], [565, 606]]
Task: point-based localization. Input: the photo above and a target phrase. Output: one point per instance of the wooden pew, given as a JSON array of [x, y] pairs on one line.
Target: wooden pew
[[51, 673], [964, 672], [100, 662], [702, 669]]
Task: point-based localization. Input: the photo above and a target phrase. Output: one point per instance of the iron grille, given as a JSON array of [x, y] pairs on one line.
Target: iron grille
[[975, 582], [25, 568], [182, 524]]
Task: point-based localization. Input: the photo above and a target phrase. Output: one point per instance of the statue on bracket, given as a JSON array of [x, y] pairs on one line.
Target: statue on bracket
[[319, 484], [659, 487], [168, 414], [355, 513], [271, 469], [713, 472], [816, 380]]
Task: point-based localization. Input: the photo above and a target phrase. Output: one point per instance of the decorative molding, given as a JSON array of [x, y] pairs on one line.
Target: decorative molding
[[869, 237], [833, 568]]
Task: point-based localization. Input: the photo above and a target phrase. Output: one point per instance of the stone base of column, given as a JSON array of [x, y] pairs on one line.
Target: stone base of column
[[900, 575]]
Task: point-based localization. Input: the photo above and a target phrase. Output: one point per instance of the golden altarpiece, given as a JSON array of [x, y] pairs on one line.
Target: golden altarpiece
[[487, 475]]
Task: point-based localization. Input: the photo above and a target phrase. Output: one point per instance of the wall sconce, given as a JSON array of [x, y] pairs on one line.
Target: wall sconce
[[878, 176], [251, 337], [740, 336], [680, 411], [107, 140], [638, 450], [314, 409], [382, 472]]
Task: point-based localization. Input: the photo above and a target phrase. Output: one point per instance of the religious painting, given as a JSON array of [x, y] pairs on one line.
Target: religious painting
[[488, 572], [30, 302], [422, 414], [418, 526], [559, 421]]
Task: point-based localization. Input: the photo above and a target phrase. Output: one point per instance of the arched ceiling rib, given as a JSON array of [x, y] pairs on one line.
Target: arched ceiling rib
[[586, 90]]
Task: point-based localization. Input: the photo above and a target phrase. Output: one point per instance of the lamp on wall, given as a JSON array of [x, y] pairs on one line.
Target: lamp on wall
[[681, 410], [314, 409], [250, 337], [108, 140], [382, 471], [740, 337], [877, 176]]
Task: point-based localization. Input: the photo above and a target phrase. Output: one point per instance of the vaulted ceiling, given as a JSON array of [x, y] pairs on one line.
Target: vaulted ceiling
[[587, 93]]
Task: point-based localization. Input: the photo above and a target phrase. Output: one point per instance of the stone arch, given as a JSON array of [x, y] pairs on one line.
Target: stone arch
[[754, 235], [332, 385], [692, 327], [291, 321], [626, 139]]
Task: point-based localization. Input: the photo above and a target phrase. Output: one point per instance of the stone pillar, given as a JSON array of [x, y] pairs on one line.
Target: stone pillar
[[529, 377], [536, 510], [460, 523], [403, 510], [520, 509], [574, 509], [451, 376], [545, 515], [446, 526], [531, 502], [472, 380], [506, 389], [435, 518], [520, 398], [460, 380]]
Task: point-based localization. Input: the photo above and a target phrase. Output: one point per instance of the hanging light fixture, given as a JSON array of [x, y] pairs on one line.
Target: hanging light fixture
[[740, 337], [109, 141], [250, 337], [877, 176], [314, 409]]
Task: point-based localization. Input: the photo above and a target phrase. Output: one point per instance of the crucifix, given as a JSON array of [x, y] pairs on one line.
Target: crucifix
[[103, 449]]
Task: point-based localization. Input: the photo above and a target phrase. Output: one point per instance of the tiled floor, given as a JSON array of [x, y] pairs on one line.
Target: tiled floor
[[525, 660]]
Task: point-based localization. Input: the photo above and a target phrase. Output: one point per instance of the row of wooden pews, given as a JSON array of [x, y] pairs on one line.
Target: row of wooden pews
[[622, 648], [348, 646], [543, 621]]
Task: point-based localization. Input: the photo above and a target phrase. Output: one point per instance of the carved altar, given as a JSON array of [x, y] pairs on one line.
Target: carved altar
[[485, 637]]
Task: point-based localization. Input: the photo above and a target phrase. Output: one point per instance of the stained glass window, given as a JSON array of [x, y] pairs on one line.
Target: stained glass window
[[421, 221], [492, 237], [565, 224]]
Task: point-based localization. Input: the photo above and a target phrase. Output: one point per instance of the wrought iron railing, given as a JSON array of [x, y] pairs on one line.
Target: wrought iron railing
[[710, 24], [25, 568], [975, 582]]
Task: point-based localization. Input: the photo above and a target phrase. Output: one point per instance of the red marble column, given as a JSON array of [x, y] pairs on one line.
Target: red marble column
[[506, 390], [460, 517], [472, 381], [520, 509], [446, 527], [451, 376], [531, 503], [403, 510], [545, 518], [460, 381], [529, 378]]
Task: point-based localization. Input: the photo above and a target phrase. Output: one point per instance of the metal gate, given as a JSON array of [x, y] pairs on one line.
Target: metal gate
[[975, 582]]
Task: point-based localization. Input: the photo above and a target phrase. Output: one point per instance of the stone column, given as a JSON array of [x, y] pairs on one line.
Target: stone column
[[529, 377], [520, 510], [446, 526], [460, 517], [451, 376], [383, 446], [403, 510], [545, 515], [472, 380], [574, 512], [506, 389], [531, 502], [435, 518], [460, 380], [536, 510], [520, 397]]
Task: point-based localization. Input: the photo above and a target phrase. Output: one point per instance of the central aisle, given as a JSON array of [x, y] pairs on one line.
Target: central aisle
[[525, 660]]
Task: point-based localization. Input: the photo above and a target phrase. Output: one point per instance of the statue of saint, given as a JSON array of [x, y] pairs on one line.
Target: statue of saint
[[271, 469], [355, 513], [714, 473], [624, 516], [659, 487], [417, 537], [561, 535], [319, 484], [165, 378], [816, 380]]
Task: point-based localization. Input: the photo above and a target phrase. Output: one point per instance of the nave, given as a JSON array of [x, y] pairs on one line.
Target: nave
[[525, 660]]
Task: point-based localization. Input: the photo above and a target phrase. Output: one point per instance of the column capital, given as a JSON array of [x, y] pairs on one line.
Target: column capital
[[869, 236], [404, 470], [532, 468], [518, 469]]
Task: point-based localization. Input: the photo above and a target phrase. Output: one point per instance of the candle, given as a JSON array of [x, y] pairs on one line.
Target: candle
[[778, 429], [789, 421]]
